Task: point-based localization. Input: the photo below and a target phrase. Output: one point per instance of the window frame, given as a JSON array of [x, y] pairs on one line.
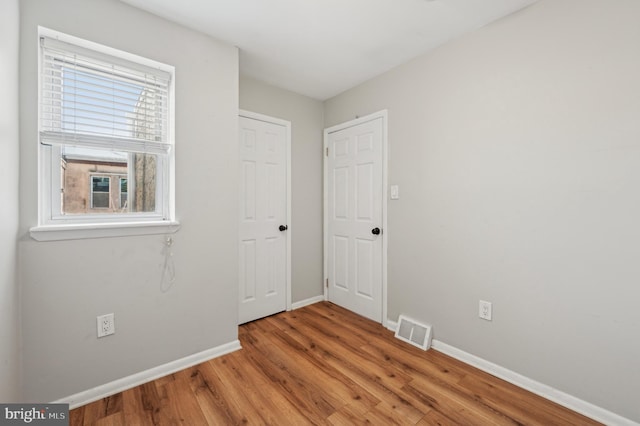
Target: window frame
[[52, 224]]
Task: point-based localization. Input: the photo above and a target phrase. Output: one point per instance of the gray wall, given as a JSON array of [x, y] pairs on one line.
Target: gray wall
[[66, 284], [9, 302], [305, 115], [516, 149]]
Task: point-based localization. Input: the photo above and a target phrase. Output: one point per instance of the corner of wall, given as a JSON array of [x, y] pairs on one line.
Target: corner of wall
[[10, 368]]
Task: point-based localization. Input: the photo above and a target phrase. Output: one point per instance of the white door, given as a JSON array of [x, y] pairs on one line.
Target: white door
[[354, 195], [263, 253]]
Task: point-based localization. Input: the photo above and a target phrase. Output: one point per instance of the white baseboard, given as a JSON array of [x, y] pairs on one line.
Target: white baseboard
[[102, 391], [306, 302], [585, 408]]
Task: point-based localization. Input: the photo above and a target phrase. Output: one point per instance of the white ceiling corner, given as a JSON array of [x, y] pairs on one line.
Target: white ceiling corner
[[320, 48]]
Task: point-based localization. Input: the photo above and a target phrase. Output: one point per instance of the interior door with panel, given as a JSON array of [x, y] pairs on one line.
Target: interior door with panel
[[354, 238], [263, 219]]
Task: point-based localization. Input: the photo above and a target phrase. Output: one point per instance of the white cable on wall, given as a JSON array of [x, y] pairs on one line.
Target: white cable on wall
[[169, 267]]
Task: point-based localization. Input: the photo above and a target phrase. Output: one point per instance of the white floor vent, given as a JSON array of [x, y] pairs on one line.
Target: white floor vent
[[414, 333]]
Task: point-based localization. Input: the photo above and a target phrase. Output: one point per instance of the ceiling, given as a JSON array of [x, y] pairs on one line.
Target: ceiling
[[319, 48]]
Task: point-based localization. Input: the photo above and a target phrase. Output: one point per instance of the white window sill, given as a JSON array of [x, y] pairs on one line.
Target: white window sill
[[103, 230]]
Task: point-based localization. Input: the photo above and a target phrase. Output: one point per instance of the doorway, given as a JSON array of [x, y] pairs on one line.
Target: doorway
[[355, 236], [264, 216]]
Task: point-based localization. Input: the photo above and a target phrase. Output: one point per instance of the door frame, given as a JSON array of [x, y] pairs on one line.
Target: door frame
[[287, 125], [383, 114]]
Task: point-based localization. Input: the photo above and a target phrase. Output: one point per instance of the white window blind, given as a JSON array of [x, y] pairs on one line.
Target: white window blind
[[94, 100]]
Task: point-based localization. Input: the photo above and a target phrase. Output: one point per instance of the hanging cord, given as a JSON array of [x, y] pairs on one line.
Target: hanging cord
[[169, 267]]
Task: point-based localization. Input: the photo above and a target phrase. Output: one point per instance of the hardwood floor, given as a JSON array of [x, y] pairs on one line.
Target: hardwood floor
[[324, 365]]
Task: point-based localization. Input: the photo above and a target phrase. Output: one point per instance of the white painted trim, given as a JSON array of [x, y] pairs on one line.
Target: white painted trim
[[385, 228], [392, 325], [108, 389], [289, 216], [307, 302], [287, 125], [78, 231], [385, 173], [325, 216], [571, 402]]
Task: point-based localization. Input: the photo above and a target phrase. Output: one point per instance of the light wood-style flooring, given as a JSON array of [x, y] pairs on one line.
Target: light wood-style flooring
[[324, 365]]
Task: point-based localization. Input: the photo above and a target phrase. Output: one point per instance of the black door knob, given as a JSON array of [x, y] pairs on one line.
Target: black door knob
[[283, 227], [375, 231]]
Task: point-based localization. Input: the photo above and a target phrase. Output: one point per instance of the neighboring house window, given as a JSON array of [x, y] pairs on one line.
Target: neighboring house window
[[123, 193], [105, 134], [107, 194], [100, 192]]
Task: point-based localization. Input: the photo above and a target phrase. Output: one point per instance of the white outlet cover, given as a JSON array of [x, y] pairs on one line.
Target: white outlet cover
[[485, 310], [106, 325]]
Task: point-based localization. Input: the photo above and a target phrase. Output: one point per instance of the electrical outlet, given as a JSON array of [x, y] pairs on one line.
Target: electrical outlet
[[485, 310], [106, 325]]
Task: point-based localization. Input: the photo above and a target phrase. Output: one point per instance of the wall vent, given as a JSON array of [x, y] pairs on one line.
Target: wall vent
[[413, 332]]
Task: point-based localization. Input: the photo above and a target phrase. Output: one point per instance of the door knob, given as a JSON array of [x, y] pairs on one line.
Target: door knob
[[283, 227], [375, 231]]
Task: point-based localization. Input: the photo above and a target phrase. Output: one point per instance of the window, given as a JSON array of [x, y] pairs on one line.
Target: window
[[100, 192], [105, 136], [123, 193]]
